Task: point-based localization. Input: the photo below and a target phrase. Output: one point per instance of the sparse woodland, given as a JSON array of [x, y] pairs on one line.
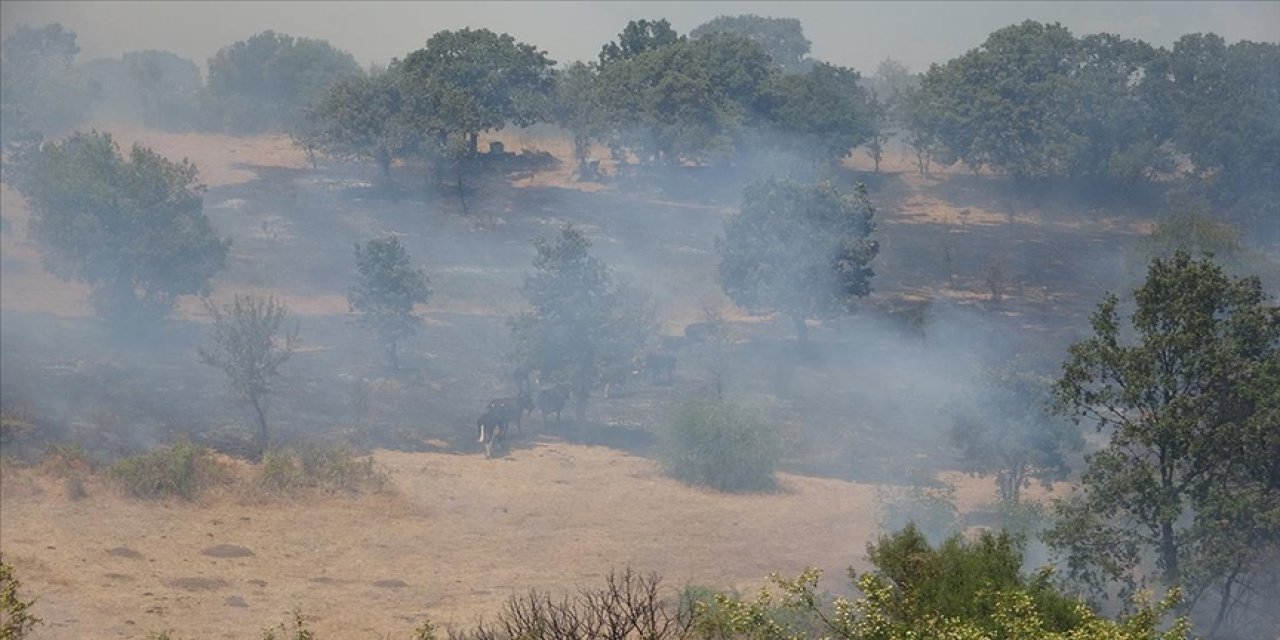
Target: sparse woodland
[[729, 260]]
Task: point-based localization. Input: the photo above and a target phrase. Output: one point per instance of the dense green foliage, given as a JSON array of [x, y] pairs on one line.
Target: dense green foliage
[[714, 443], [463, 83], [1007, 432], [132, 228], [360, 117], [801, 250], [822, 114], [43, 92], [157, 89], [1191, 403], [636, 38], [263, 83], [328, 469], [1037, 102], [782, 38], [582, 328], [251, 338], [386, 289]]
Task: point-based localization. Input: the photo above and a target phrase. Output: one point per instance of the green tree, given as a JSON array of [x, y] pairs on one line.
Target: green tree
[[157, 89], [43, 92], [464, 83], [691, 100], [782, 38], [386, 289], [717, 444], [1219, 103], [361, 117], [251, 337], [1037, 102], [582, 326], [263, 83], [577, 108], [801, 250], [1011, 435], [16, 619], [638, 37], [1189, 403], [132, 228], [824, 113]]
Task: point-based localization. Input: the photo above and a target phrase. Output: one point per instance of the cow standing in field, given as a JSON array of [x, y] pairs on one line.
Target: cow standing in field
[[512, 409], [552, 401], [492, 428]]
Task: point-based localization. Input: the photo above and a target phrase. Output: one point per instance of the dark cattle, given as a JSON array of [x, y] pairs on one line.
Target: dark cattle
[[492, 427], [552, 401], [660, 368], [512, 409]]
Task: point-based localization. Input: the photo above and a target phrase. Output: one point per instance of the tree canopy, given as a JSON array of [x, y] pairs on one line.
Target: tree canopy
[[361, 117], [1190, 474], [131, 227], [782, 38], [43, 91], [264, 82], [386, 289], [638, 37], [582, 326], [801, 250]]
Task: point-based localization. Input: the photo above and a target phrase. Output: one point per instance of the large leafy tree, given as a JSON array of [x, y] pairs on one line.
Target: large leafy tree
[[1189, 399], [638, 37], [582, 327], [1036, 102], [578, 109], [782, 38], [801, 250], [131, 227], [464, 83], [1219, 103], [263, 83], [386, 289], [43, 92], [361, 117], [823, 113], [691, 100]]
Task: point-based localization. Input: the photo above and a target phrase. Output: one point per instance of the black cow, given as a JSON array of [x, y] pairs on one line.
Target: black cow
[[512, 409], [552, 401], [492, 427]]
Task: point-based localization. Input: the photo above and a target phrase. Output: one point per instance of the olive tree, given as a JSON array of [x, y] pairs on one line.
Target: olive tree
[[800, 250], [251, 337], [386, 289]]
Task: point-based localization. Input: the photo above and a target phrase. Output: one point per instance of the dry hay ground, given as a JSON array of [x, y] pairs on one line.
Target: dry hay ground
[[458, 536]]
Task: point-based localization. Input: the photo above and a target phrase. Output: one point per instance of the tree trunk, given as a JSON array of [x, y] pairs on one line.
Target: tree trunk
[[262, 426], [473, 143], [462, 196], [1169, 554], [1225, 605], [802, 329]]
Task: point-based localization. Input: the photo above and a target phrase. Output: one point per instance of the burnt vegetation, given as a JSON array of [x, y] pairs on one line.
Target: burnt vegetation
[[1056, 267]]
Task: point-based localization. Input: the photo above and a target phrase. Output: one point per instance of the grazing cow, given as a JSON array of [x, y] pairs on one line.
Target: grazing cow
[[552, 401], [492, 427], [660, 368], [512, 409]]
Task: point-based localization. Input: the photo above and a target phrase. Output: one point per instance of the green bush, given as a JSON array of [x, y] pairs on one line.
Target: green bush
[[714, 443], [182, 470], [16, 620], [333, 469]]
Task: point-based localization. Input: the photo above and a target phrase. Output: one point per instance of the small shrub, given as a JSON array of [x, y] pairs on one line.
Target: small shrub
[[333, 469], [714, 443], [182, 470], [16, 620], [297, 631], [70, 463]]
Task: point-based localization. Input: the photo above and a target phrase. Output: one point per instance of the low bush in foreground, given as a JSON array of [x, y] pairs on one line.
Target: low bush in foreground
[[16, 619], [717, 444], [331, 469], [182, 470]]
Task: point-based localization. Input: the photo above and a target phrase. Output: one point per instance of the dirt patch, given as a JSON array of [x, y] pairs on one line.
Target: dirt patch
[[235, 601], [228, 551], [390, 584]]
